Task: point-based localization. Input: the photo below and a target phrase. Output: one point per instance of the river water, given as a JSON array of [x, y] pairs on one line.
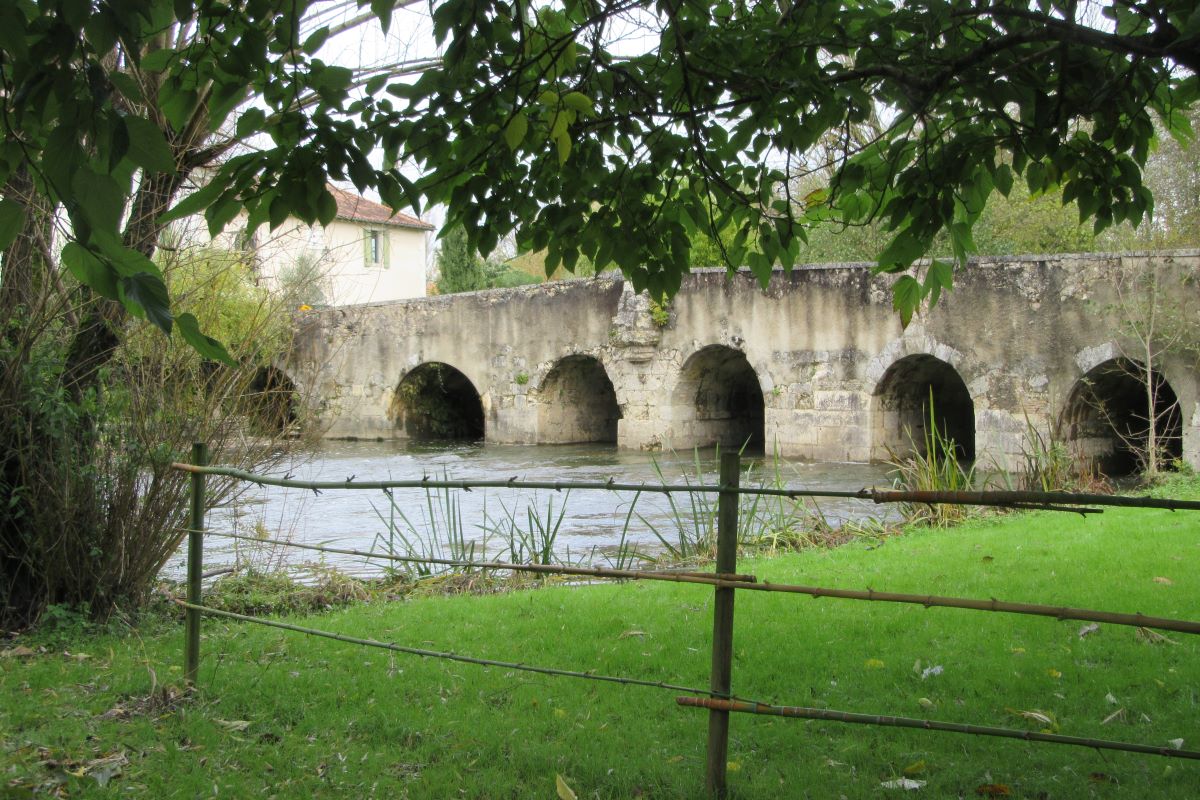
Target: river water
[[591, 525]]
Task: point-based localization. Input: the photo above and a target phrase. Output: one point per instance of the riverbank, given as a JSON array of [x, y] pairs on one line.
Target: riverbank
[[280, 714]]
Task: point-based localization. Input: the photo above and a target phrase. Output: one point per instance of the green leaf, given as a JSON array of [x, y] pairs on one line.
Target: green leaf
[[12, 216], [194, 203], [99, 197], [939, 276], [563, 142], [313, 43], [906, 298], [148, 147], [382, 9], [326, 208], [90, 270], [145, 295], [157, 60], [515, 130], [578, 102], [206, 346]]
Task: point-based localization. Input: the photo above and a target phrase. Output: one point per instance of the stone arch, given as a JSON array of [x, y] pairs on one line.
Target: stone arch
[[268, 399], [718, 400], [901, 409], [576, 402], [1105, 418], [434, 400]]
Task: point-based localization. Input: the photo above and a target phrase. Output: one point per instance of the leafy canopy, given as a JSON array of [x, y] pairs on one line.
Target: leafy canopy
[[611, 130]]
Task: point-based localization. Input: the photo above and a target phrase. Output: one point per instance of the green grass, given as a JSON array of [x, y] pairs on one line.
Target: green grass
[[280, 714]]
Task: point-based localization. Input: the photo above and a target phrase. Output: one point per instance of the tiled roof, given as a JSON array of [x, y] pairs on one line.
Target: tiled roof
[[360, 209]]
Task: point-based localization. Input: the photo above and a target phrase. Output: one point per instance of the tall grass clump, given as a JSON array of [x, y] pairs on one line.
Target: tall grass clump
[[935, 465], [438, 533]]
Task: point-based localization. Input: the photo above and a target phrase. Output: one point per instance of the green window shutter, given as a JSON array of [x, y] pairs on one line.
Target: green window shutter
[[385, 248], [366, 248]]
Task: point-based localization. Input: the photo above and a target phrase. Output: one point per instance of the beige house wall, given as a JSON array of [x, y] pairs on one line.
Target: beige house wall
[[342, 256]]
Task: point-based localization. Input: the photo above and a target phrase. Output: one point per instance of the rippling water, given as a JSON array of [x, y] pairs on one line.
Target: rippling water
[[591, 527]]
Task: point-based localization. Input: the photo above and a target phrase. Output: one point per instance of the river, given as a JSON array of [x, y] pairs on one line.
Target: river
[[591, 525]]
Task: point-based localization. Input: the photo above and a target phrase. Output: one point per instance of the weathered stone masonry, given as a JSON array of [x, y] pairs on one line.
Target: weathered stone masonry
[[837, 376]]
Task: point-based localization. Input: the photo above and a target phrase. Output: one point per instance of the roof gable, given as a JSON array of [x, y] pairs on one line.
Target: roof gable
[[353, 208]]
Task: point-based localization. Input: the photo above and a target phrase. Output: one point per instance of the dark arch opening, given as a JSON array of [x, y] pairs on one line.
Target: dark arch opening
[[902, 408], [576, 403], [718, 401], [1106, 418], [269, 400], [436, 401]]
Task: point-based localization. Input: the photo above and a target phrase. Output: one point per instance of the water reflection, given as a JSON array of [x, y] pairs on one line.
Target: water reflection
[[590, 529]]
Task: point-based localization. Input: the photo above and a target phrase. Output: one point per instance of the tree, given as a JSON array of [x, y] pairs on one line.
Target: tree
[[460, 269], [592, 151], [540, 120]]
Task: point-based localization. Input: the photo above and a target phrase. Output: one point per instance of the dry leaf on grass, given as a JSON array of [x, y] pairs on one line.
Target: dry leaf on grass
[[1153, 637], [908, 784], [564, 791]]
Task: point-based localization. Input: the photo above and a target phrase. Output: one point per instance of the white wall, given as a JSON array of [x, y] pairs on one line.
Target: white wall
[[340, 253]]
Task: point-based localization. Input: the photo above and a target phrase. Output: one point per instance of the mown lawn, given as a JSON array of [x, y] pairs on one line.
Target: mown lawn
[[284, 715]]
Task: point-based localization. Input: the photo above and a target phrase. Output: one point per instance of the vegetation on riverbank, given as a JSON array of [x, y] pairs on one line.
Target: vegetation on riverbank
[[101, 714]]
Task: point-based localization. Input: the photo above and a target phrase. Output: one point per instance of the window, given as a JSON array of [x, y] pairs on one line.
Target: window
[[375, 248]]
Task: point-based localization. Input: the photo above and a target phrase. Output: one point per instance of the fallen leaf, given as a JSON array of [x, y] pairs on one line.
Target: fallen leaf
[[1153, 637], [915, 768], [1176, 744], [233, 724], [1038, 716], [1162, 580], [908, 784], [1053, 673], [733, 766], [1110, 699], [564, 791], [925, 702], [629, 634], [988, 559], [873, 663], [929, 672], [1118, 714], [560, 713], [993, 790], [1100, 777], [1088, 630], [20, 651]]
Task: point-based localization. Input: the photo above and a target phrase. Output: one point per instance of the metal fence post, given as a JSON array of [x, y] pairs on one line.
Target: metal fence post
[[722, 642], [195, 567]]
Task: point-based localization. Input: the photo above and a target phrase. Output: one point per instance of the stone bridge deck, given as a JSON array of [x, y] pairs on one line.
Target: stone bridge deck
[[815, 365]]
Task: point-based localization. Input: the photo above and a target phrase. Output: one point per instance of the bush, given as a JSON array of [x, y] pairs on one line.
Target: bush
[[89, 506]]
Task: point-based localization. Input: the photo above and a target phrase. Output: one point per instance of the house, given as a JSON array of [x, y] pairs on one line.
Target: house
[[365, 254]]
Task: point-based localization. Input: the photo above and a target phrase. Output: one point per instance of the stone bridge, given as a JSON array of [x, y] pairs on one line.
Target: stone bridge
[[815, 366]]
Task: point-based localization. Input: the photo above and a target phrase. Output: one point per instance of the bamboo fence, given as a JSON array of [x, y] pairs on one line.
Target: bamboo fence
[[718, 699]]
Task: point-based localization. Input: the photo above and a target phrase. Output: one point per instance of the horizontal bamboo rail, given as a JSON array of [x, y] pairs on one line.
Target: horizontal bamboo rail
[[439, 654], [751, 583], [1048, 501], [801, 712]]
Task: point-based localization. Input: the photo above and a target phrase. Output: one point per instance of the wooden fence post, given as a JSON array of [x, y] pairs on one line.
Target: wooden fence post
[[195, 567], [722, 641]]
